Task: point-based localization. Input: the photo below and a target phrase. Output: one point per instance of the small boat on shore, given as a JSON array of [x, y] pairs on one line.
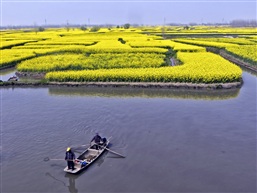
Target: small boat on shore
[[13, 78], [87, 157]]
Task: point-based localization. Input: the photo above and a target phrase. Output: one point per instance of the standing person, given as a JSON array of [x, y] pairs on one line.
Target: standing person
[[97, 139], [70, 157]]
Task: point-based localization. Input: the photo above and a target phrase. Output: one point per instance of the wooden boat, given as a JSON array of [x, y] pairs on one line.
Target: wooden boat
[[13, 78], [87, 157]]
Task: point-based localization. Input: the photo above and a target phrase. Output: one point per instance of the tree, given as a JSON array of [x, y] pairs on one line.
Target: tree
[[126, 26], [67, 26], [83, 28], [95, 29], [243, 23], [186, 27], [40, 29], [121, 40]]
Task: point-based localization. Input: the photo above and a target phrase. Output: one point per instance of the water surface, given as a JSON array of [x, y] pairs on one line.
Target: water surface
[[173, 140]]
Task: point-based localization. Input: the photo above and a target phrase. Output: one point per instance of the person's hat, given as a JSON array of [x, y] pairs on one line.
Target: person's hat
[[68, 149]]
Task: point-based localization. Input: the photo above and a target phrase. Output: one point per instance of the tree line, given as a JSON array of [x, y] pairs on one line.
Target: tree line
[[243, 23]]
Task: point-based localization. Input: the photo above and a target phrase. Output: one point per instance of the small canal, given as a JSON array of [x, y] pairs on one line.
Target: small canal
[[173, 140]]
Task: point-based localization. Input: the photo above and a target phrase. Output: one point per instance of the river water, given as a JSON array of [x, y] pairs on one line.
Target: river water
[[173, 140]]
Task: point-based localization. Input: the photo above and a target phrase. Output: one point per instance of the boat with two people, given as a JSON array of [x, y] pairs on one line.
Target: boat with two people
[[87, 157]]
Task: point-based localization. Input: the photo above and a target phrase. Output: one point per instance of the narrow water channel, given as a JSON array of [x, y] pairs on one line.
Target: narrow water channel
[[173, 140]]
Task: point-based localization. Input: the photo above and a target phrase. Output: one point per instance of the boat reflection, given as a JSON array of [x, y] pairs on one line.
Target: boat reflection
[[101, 159], [71, 183]]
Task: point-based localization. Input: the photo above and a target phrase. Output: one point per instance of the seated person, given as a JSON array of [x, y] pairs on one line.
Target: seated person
[[97, 140]]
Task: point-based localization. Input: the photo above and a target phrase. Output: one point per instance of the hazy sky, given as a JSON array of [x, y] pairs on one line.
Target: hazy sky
[[39, 12]]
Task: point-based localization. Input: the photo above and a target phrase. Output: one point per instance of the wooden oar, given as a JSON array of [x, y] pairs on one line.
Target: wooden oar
[[76, 151], [114, 152], [78, 146], [49, 159], [111, 150]]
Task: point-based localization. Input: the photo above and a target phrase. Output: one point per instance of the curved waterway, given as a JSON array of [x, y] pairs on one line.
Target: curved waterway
[[173, 140]]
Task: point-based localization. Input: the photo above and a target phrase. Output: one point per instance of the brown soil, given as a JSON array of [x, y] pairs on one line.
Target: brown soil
[[131, 84]]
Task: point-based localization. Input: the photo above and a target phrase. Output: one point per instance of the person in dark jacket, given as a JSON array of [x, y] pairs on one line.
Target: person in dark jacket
[[70, 157], [97, 139]]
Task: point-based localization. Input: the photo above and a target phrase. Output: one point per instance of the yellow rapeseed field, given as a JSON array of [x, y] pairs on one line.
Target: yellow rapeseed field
[[197, 68], [135, 54]]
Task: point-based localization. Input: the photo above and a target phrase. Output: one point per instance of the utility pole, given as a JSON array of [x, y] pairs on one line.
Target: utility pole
[[163, 28], [67, 26], [35, 27]]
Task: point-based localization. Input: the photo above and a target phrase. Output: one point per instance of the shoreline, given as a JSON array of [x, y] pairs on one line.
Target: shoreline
[[176, 85]]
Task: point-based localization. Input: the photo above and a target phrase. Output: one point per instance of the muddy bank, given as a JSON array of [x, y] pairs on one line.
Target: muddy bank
[[34, 75], [129, 84], [37, 79]]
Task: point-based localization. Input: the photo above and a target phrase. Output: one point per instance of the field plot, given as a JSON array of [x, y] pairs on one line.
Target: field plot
[[205, 43], [197, 68], [130, 55], [94, 61], [246, 52], [244, 48]]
